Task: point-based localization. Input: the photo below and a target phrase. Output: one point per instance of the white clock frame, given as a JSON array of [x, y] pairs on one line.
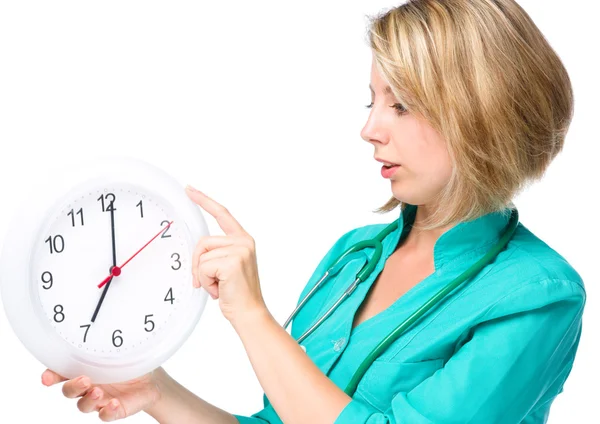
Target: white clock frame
[[17, 291]]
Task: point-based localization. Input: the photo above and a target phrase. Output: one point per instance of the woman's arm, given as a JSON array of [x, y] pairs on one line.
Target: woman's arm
[[178, 405], [295, 386], [226, 267]]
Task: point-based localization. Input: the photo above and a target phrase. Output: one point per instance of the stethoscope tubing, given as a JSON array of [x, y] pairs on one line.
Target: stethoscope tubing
[[465, 276], [366, 271], [355, 250]]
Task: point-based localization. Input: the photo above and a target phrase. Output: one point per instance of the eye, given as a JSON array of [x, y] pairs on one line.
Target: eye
[[398, 106]]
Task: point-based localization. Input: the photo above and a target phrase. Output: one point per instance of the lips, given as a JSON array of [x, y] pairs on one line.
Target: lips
[[386, 163], [388, 172]]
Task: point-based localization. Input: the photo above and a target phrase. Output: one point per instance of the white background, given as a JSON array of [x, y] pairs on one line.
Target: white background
[[260, 104]]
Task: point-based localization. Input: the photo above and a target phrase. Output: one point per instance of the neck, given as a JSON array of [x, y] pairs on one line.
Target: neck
[[421, 240]]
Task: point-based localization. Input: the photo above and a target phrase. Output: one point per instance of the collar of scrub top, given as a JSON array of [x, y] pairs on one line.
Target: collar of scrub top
[[463, 238], [479, 234]]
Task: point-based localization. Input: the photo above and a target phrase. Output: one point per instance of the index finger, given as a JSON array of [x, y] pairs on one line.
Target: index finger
[[226, 221]]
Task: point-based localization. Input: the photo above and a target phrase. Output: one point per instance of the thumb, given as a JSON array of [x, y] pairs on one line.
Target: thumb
[[213, 290]]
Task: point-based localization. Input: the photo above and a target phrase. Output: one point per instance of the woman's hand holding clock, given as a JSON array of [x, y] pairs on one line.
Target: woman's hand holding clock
[[112, 401]]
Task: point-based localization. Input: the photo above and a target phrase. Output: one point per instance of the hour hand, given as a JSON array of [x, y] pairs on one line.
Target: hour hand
[[101, 300]]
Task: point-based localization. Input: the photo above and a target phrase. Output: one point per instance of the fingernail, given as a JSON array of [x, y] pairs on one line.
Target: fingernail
[[113, 404], [213, 296], [95, 394], [189, 187], [84, 382]]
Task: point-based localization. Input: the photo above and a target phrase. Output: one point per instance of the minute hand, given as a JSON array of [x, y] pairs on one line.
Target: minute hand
[[116, 270], [114, 256]]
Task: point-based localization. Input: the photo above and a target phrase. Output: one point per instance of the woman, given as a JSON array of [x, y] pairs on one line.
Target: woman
[[472, 103]]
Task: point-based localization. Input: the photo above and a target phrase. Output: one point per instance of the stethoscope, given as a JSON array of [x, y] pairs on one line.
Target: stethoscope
[[365, 272]]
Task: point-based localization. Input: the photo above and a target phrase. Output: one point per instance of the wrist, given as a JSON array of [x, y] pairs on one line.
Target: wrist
[[166, 387], [252, 319]]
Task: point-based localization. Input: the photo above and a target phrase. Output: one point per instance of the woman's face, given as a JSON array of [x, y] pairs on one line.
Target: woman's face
[[403, 138]]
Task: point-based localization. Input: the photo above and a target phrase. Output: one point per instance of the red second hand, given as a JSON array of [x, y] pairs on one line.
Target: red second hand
[[116, 270]]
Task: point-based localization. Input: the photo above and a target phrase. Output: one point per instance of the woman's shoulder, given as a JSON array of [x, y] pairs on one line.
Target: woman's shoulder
[[528, 275], [533, 259]]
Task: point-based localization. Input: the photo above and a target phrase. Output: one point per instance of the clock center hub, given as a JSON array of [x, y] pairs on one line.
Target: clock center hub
[[115, 271]]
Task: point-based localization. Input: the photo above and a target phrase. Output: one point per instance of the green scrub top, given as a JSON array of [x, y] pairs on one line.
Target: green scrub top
[[496, 350]]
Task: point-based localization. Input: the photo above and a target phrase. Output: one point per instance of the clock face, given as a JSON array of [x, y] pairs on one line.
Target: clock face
[[73, 255]]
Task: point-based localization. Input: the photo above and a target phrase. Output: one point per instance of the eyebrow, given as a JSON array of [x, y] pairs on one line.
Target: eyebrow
[[387, 89]]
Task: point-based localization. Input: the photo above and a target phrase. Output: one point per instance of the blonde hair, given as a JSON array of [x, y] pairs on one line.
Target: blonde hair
[[483, 75]]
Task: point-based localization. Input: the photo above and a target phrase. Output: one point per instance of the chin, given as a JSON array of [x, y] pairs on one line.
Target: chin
[[410, 195]]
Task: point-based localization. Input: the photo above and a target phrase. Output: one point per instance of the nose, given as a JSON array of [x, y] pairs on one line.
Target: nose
[[373, 132]]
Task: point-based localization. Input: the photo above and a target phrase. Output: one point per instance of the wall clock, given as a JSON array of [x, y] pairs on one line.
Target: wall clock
[[95, 270]]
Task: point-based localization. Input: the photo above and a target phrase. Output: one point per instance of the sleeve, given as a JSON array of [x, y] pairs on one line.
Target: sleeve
[[268, 414], [519, 356], [249, 420], [261, 417]]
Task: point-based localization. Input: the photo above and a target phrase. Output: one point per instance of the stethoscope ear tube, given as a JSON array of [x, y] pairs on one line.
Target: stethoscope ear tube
[[394, 335], [343, 297], [348, 256], [363, 274], [308, 296]]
